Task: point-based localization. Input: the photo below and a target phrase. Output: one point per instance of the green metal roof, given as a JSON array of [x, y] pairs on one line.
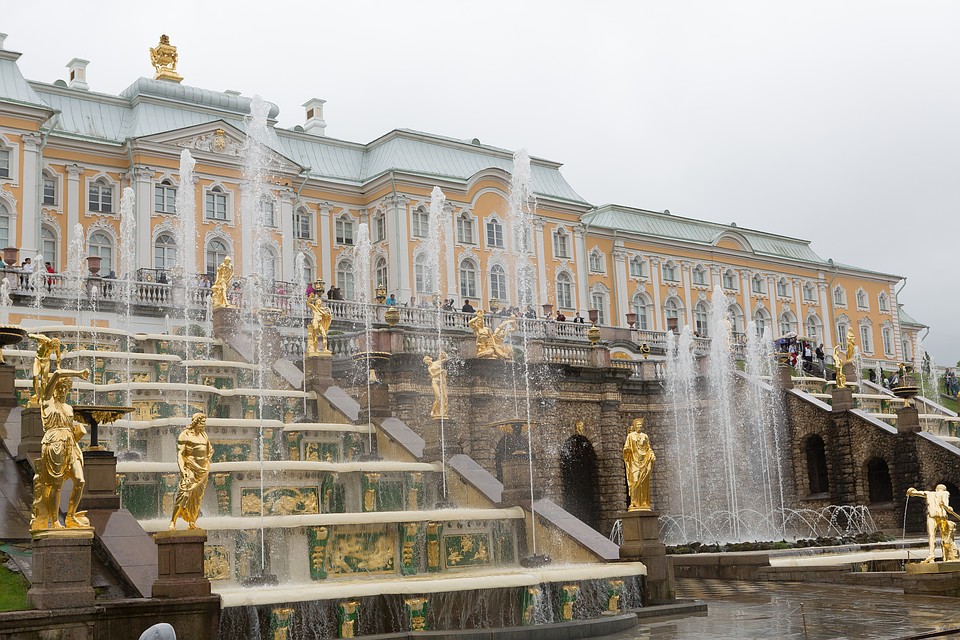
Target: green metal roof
[[906, 318]]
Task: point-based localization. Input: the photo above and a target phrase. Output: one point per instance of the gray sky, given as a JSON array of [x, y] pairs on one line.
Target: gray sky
[[831, 121]]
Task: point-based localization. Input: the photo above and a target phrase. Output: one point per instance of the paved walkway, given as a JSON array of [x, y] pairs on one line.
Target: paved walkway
[[801, 611]]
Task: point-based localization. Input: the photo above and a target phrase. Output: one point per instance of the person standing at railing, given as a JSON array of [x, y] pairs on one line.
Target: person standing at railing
[[578, 319], [467, 307], [49, 268], [392, 300], [561, 317]]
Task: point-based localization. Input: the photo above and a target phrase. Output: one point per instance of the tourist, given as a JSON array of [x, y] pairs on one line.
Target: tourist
[[821, 359], [807, 358], [49, 269], [162, 279], [467, 307], [561, 317], [330, 293], [310, 290], [392, 300], [447, 305], [578, 319], [530, 313]]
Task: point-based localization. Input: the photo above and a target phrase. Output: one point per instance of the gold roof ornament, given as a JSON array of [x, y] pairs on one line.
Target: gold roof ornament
[[163, 57]]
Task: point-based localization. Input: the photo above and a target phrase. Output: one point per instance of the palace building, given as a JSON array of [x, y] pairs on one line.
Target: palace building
[[67, 152]]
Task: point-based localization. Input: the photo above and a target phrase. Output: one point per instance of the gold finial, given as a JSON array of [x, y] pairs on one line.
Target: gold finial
[[163, 57]]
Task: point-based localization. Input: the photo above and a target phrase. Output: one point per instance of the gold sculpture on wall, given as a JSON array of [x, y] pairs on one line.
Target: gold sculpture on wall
[[438, 379], [60, 455], [938, 506], [492, 344], [194, 453], [319, 326], [638, 458], [220, 286], [46, 347], [164, 58]]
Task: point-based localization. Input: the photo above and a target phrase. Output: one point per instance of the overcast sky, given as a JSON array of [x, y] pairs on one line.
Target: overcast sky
[[830, 121]]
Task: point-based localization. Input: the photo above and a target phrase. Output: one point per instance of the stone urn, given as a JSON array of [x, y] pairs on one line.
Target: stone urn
[[392, 316], [547, 310], [594, 315], [593, 334], [93, 264], [631, 320], [381, 294], [10, 255], [10, 335]]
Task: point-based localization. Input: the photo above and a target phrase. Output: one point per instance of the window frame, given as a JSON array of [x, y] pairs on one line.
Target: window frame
[[108, 244], [420, 222], [561, 245], [164, 250], [161, 190], [467, 279], [105, 196], [342, 225], [563, 288], [493, 233], [213, 196], [498, 283], [465, 223]]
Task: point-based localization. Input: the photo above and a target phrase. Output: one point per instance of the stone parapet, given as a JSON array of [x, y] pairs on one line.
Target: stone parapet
[[61, 569]]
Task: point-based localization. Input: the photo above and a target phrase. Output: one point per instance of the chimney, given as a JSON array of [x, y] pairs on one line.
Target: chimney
[[78, 74], [315, 124], [3, 37]]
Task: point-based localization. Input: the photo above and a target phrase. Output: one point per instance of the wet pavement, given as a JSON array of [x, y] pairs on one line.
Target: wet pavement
[[802, 611]]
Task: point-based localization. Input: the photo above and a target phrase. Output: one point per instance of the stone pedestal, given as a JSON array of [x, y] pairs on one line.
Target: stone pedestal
[[61, 569], [100, 472], [318, 370], [641, 542], [908, 420], [8, 391], [379, 401], [31, 433], [516, 481], [431, 437], [599, 356], [932, 579], [785, 377], [226, 322], [842, 399], [180, 564]]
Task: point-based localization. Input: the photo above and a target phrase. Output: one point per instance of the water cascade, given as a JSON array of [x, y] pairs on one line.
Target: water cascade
[[38, 282], [298, 306], [362, 255], [437, 244], [128, 266]]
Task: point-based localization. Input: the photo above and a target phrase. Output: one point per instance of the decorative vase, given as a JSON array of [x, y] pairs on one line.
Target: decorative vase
[[593, 334], [631, 320], [93, 264], [10, 255], [381, 294], [392, 316], [594, 315]]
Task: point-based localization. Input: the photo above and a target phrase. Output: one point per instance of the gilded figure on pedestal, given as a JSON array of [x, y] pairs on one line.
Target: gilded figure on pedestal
[[492, 344], [938, 507], [638, 458], [438, 379], [41, 364], [194, 453], [220, 286], [319, 326], [164, 58]]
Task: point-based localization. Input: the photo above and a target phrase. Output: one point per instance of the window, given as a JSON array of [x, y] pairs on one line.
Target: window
[[307, 268], [783, 288], [735, 316], [866, 333], [564, 290], [761, 320], [380, 272], [4, 226], [671, 311], [788, 323], [757, 284], [809, 292], [883, 302], [636, 267], [641, 307], [862, 299], [164, 197], [421, 223], [699, 275], [596, 262], [48, 245], [268, 212], [816, 465], [164, 251], [344, 230], [345, 279], [494, 233], [468, 279], [729, 280], [465, 229], [423, 274], [498, 283], [49, 190], [303, 224], [561, 245], [379, 227], [215, 204], [100, 198], [813, 327], [267, 267], [598, 301], [700, 319], [216, 252], [670, 272], [4, 163], [101, 245], [879, 485], [839, 296], [887, 340], [842, 331]]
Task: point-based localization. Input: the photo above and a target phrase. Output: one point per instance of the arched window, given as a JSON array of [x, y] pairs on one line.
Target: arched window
[[344, 228], [494, 233], [641, 307], [423, 274], [101, 245], [670, 271], [164, 197], [700, 319], [730, 280], [345, 279], [100, 197], [862, 300], [465, 228], [814, 327], [5, 162], [816, 465], [303, 224], [636, 267], [380, 272], [843, 324], [735, 315], [164, 251], [468, 279], [672, 312], [598, 301], [699, 275], [908, 350], [498, 283], [809, 292], [887, 333], [596, 261], [839, 296], [564, 290], [561, 244], [49, 246], [757, 284], [879, 484], [216, 252], [883, 302], [49, 189], [268, 265], [308, 268], [421, 222], [788, 323], [783, 288], [4, 226], [215, 204], [761, 319]]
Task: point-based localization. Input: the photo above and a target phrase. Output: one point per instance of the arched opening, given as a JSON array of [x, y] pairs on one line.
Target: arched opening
[[578, 472], [879, 485], [816, 465]]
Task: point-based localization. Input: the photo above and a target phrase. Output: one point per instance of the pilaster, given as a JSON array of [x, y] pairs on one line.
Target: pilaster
[[30, 205], [142, 179], [826, 303], [539, 231], [288, 243], [622, 295], [72, 199], [659, 323], [580, 259], [745, 286], [324, 261], [399, 233], [685, 276]]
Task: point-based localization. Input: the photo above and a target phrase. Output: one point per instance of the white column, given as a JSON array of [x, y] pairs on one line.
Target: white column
[[685, 280], [245, 222], [622, 304], [30, 205], [747, 288], [398, 231], [798, 305], [772, 296], [142, 182], [659, 322], [324, 265], [541, 258], [288, 243], [580, 259], [72, 201]]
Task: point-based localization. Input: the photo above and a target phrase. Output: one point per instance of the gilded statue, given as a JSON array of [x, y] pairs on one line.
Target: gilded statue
[[938, 507], [838, 362], [492, 344], [221, 285], [638, 458], [319, 326], [60, 456], [851, 344], [163, 57], [438, 378], [194, 453], [41, 364]]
